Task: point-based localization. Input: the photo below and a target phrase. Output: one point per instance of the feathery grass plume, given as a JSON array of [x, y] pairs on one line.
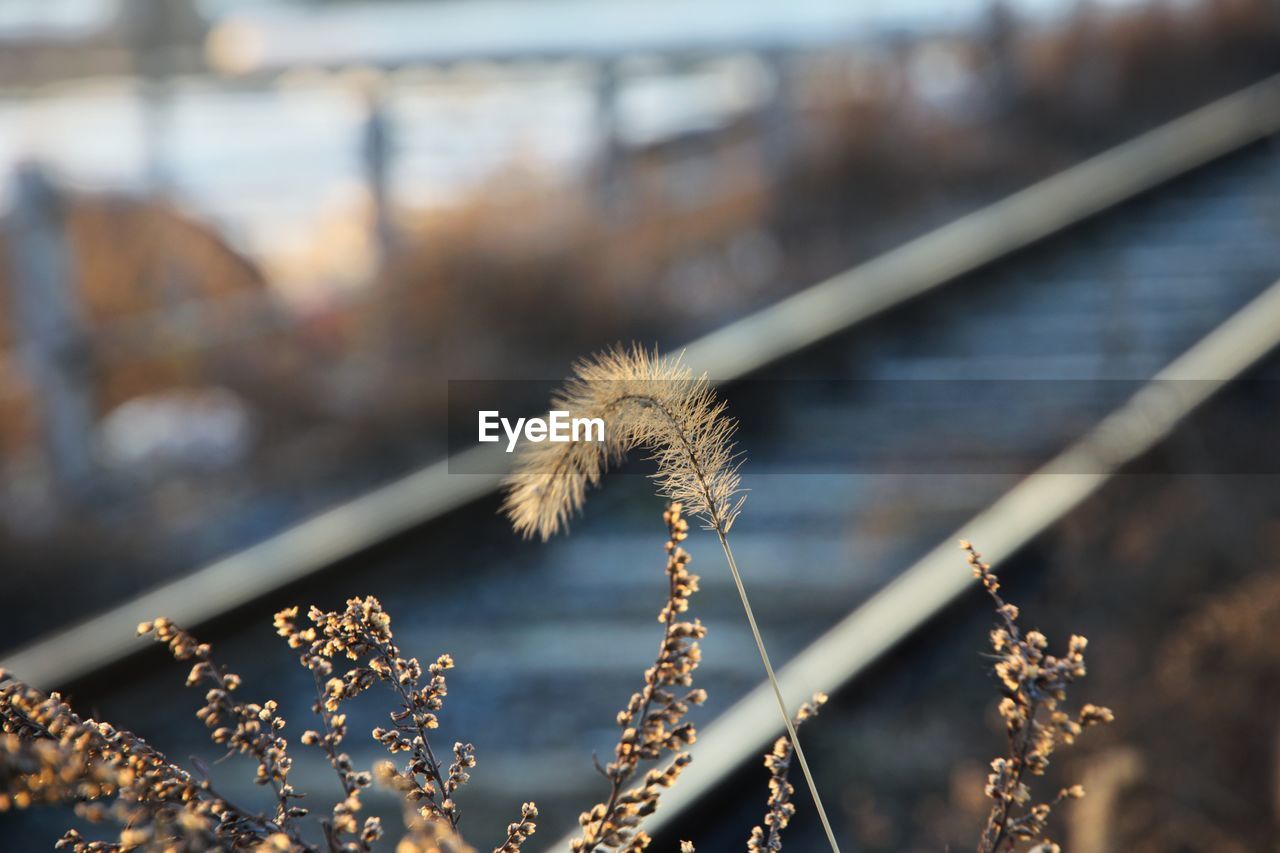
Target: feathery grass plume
[[780, 809], [652, 721], [652, 402], [646, 401], [1035, 685]]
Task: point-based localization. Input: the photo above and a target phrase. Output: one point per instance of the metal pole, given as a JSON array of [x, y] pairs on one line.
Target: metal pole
[[609, 162], [376, 151], [779, 116], [50, 330]]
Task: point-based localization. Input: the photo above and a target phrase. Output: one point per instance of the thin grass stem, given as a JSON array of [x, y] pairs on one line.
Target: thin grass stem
[[777, 691]]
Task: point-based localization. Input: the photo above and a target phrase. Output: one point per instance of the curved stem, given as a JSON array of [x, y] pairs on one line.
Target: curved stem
[[777, 692], [720, 525]]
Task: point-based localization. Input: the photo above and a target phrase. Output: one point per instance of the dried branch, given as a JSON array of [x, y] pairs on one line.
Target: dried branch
[[780, 809], [652, 721], [1035, 685]]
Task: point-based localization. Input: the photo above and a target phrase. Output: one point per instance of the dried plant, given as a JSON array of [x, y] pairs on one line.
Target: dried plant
[[112, 774], [518, 833], [655, 403], [362, 633], [780, 809], [48, 754], [1035, 685], [652, 723], [247, 728], [646, 401]]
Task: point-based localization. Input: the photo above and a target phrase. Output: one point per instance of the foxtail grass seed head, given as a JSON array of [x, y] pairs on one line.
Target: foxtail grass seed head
[[653, 402], [646, 401]]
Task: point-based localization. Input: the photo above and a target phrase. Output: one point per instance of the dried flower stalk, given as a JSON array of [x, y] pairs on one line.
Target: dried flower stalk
[[341, 828], [652, 723], [518, 833], [50, 755], [1035, 685], [362, 633], [651, 402], [248, 728], [780, 809]]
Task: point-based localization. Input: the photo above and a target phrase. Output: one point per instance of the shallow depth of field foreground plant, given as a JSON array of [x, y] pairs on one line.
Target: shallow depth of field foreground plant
[[50, 755], [655, 403], [1035, 685]]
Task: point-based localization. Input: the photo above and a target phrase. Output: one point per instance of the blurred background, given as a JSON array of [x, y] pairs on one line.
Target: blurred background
[[246, 245]]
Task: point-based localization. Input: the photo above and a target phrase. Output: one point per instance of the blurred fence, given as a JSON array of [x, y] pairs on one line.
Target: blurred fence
[[764, 152]]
